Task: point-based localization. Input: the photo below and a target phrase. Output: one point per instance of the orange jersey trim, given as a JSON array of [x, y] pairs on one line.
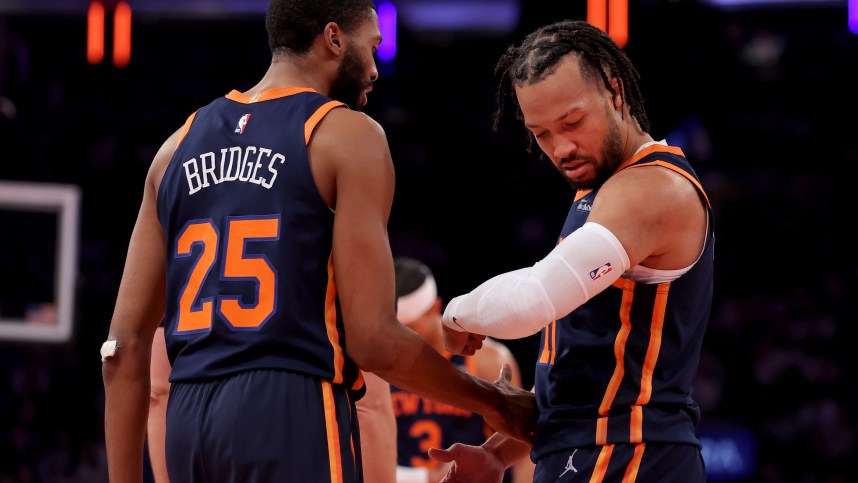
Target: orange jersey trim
[[186, 127], [620, 369], [317, 116], [331, 323], [652, 351], [602, 464], [680, 171], [635, 465], [267, 95], [333, 433], [547, 354]]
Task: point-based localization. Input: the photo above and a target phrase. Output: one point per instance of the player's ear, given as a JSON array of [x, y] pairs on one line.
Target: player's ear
[[333, 37], [619, 96]]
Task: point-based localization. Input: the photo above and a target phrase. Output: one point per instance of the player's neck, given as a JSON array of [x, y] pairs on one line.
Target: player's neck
[[284, 72]]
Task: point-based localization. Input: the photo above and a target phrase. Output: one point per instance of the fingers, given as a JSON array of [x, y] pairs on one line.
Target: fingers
[[442, 455], [462, 343]]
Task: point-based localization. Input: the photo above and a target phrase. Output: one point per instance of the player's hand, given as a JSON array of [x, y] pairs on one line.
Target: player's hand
[[456, 339], [518, 413], [462, 343], [471, 464]]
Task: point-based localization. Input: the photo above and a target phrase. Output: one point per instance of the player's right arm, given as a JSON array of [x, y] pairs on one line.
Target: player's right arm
[[137, 314], [377, 431], [353, 168]]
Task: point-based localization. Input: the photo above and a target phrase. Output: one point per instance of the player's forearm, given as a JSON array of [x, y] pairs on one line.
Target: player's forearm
[[520, 303], [417, 367], [126, 385]]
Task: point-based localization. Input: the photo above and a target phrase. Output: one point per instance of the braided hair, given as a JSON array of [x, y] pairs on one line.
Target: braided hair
[[541, 51]]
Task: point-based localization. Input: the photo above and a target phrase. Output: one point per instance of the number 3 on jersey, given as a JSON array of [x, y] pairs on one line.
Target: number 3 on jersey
[[237, 265]]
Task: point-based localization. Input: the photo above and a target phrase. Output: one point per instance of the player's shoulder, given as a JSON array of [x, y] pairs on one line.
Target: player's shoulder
[[350, 121], [164, 156], [349, 135]]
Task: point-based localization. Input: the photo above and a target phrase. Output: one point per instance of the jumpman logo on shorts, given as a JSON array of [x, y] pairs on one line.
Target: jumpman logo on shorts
[[569, 466]]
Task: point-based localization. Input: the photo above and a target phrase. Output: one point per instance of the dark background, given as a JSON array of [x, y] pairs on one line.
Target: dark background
[[762, 101]]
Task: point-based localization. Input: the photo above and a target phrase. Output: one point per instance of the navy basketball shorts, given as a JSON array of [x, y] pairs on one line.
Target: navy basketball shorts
[[262, 426], [614, 463]]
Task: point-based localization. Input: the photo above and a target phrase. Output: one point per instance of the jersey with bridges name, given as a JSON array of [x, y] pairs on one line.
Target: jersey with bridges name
[[250, 280]]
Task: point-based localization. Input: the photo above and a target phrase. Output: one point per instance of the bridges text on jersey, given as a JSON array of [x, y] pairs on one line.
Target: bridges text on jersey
[[237, 163]]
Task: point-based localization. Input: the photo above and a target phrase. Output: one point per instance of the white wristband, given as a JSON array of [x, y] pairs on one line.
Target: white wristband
[[406, 474]]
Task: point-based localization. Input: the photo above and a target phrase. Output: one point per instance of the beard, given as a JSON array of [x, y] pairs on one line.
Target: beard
[[349, 84], [612, 158]]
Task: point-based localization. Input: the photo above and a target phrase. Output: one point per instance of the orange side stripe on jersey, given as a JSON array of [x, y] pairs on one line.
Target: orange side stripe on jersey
[[620, 369], [602, 464], [635, 464], [333, 432], [548, 346], [186, 128], [553, 341], [656, 331], [636, 422], [317, 116], [331, 323]]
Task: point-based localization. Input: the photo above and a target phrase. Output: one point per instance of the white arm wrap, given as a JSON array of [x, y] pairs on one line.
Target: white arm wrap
[[520, 303], [405, 474]]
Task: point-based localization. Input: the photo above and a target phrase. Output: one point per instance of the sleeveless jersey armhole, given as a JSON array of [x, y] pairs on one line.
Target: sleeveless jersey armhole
[[313, 121]]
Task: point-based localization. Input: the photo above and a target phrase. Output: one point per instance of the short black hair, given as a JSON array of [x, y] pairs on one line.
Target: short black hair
[[293, 25], [410, 275]]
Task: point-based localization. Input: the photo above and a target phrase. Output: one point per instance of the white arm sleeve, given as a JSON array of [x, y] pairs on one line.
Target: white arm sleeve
[[520, 303]]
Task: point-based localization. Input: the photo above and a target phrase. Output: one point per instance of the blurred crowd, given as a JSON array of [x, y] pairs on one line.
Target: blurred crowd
[[754, 98]]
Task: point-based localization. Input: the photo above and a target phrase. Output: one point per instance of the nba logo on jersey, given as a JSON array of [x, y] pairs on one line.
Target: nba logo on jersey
[[242, 123]]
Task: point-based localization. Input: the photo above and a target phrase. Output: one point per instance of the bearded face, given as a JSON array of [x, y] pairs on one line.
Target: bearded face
[[351, 80], [611, 158]]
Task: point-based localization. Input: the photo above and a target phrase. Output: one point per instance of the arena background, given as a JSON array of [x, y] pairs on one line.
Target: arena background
[[761, 98]]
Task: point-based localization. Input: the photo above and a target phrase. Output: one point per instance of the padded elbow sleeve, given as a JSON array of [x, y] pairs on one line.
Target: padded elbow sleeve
[[520, 303]]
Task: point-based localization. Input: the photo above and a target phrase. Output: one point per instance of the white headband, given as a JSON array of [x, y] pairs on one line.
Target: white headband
[[410, 307]]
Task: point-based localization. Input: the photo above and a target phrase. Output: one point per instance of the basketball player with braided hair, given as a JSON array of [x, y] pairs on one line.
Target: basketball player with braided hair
[[622, 301]]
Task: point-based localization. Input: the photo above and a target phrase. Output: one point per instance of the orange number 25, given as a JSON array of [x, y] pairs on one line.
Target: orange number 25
[[237, 265]]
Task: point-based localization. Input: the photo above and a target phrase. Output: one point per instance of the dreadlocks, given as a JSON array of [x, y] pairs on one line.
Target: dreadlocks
[[541, 51]]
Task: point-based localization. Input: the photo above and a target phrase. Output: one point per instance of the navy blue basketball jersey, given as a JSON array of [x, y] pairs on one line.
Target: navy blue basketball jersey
[[422, 423], [250, 281], [620, 368]]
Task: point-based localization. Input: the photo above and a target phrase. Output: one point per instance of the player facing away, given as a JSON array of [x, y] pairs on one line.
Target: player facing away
[[261, 241], [622, 301]]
